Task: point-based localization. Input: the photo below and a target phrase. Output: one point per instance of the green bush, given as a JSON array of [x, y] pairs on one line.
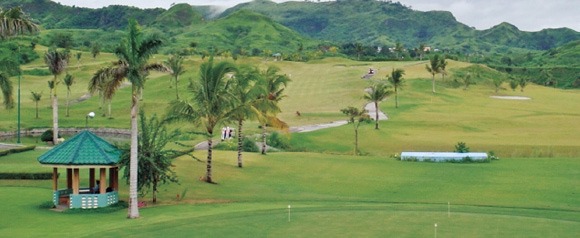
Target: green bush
[[279, 141], [17, 150], [26, 176], [461, 147], [249, 145], [47, 136]]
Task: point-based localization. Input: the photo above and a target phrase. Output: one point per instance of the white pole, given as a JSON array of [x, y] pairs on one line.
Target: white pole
[[448, 209], [289, 213], [435, 230]]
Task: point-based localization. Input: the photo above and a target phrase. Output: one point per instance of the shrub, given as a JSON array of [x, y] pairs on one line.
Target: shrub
[[17, 150], [27, 176], [461, 147], [47, 136], [249, 145], [278, 141]]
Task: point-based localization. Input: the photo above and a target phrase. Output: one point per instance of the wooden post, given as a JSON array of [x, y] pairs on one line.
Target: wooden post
[[76, 180], [102, 188], [116, 178], [69, 178], [91, 178], [55, 179]]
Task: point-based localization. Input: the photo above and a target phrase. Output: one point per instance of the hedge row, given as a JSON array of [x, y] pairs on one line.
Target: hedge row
[[28, 176], [17, 150]]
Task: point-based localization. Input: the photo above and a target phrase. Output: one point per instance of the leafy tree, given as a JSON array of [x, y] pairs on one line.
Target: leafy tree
[[95, 49], [68, 81], [57, 62], [421, 51], [442, 66], [36, 96], [523, 82], [466, 80], [497, 82], [133, 54], [155, 160], [275, 85], [248, 87], [377, 93], [434, 67], [397, 81], [356, 116], [513, 84], [6, 88], [461, 147], [175, 64], [210, 104], [78, 56]]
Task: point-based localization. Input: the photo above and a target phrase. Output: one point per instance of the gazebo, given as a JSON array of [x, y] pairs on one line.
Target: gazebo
[[89, 152]]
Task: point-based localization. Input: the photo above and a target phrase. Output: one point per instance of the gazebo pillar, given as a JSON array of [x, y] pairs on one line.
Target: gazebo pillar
[[91, 178], [76, 181], [55, 179], [103, 181], [113, 183], [69, 178]]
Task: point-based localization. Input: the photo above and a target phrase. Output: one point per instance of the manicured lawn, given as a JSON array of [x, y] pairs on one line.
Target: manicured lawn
[[330, 195]]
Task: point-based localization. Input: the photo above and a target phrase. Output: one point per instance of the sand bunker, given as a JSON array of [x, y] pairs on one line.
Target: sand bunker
[[511, 97]]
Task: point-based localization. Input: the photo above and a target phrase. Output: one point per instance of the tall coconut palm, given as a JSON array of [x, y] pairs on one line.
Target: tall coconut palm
[[434, 68], [175, 63], [356, 116], [15, 22], [133, 54], [211, 102], [275, 85], [106, 81], [397, 81], [56, 61], [36, 96], [248, 87], [377, 93], [6, 89], [68, 81]]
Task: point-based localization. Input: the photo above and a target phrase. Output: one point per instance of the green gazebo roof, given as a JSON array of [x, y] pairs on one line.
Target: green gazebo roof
[[85, 148]]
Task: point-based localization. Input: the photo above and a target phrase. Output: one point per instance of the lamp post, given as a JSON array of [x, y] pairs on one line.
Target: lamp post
[[18, 127], [91, 115]]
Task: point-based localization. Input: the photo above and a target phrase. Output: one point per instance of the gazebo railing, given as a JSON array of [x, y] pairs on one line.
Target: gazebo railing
[[85, 200]]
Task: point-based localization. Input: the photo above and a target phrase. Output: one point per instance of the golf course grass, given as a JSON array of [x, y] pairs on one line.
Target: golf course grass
[[531, 191]]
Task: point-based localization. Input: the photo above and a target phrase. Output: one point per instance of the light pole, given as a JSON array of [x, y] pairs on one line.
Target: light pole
[[91, 115], [18, 127]]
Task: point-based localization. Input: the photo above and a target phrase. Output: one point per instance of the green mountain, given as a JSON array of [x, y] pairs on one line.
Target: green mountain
[[245, 32], [386, 22]]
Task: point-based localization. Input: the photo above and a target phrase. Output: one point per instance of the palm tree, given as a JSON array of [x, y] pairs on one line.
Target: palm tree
[[249, 86], [68, 81], [434, 68], [15, 22], [355, 116], [378, 92], [6, 88], [275, 85], [175, 63], [133, 54], [396, 79], [211, 102], [56, 62], [36, 96], [107, 81]]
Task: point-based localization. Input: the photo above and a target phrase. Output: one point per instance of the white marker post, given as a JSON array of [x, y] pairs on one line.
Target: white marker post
[[435, 230], [289, 213], [448, 209]]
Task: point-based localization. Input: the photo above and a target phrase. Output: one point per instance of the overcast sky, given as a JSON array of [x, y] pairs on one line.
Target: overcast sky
[[527, 15]]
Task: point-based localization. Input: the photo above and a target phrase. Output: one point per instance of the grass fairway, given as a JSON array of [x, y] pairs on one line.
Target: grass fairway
[[532, 191], [330, 195]]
